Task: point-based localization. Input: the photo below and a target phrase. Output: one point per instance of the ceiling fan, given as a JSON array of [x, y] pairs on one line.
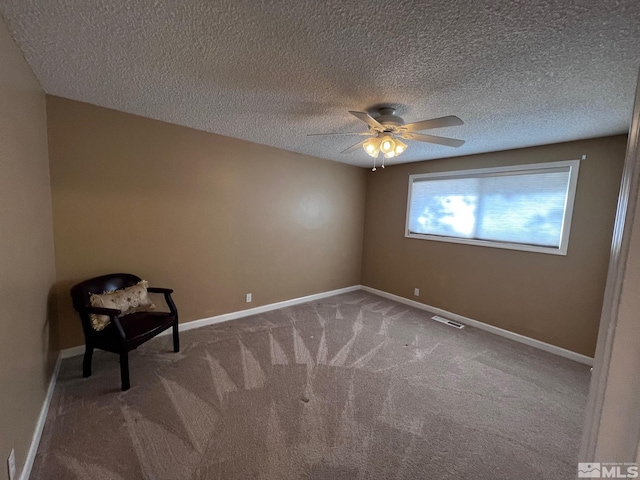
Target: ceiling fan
[[387, 129]]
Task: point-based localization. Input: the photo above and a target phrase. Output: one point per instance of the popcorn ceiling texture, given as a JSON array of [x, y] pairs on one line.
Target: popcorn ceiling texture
[[519, 73]]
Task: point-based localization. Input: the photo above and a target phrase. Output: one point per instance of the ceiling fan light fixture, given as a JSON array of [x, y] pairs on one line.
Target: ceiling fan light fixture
[[387, 143], [372, 147], [400, 147]]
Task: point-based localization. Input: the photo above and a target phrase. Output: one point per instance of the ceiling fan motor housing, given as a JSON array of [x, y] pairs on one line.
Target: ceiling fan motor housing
[[387, 117]]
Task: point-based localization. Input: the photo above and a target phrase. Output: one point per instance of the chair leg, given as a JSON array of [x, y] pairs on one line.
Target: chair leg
[[124, 370], [86, 362], [176, 338]]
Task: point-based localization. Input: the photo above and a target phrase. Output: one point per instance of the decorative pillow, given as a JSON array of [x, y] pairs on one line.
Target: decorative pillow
[[128, 300]]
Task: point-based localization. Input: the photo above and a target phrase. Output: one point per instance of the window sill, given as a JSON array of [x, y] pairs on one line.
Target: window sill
[[487, 243]]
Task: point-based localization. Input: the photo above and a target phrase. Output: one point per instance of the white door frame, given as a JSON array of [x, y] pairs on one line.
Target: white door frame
[[612, 417]]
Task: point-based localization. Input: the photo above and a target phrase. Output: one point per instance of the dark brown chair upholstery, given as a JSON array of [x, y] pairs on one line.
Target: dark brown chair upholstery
[[125, 333]]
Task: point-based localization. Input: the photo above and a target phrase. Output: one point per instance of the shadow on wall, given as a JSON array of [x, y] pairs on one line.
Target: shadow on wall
[[64, 310], [49, 337]]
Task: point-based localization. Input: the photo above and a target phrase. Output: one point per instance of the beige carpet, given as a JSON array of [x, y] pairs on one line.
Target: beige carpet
[[350, 387]]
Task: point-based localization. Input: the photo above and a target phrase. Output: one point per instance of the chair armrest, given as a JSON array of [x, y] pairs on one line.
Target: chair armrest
[[159, 290], [112, 312], [167, 297]]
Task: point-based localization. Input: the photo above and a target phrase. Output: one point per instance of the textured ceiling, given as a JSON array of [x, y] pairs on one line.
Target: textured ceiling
[[519, 73]]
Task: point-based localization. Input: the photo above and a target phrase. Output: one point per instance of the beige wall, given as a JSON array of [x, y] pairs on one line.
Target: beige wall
[[26, 252], [210, 216], [555, 299]]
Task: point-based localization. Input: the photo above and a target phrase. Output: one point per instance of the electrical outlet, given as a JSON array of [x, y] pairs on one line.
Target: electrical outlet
[[248, 298], [11, 464], [416, 292]]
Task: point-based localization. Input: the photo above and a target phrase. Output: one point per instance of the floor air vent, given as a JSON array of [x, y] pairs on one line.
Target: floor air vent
[[446, 321]]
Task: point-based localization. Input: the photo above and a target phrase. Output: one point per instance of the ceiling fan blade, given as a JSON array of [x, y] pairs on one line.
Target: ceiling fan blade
[[368, 134], [355, 147], [368, 119], [450, 121], [423, 137]]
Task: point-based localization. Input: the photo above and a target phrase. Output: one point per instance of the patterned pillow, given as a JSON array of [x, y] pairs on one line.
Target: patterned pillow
[[128, 300]]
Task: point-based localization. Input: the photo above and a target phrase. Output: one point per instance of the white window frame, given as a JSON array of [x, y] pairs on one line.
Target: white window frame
[[574, 166]]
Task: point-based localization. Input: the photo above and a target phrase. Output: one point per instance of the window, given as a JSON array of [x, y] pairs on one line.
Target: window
[[524, 207]]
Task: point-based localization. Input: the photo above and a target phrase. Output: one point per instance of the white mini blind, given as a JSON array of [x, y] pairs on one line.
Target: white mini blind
[[524, 205]]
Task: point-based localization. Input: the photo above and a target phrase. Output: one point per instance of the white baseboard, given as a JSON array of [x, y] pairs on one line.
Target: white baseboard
[[203, 322], [71, 352], [79, 350], [42, 418], [484, 326]]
